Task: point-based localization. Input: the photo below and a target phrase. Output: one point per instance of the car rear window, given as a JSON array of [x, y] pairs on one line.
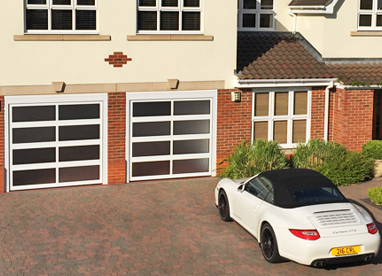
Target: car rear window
[[318, 195]]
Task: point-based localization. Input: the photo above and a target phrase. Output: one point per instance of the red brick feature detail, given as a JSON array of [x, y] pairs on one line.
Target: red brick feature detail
[[352, 117], [233, 122], [118, 59], [317, 115], [2, 160], [116, 138]]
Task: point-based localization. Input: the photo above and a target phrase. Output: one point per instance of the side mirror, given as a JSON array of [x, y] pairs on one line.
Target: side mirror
[[241, 188]]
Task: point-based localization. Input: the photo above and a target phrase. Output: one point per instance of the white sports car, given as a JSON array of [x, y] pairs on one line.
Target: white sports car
[[300, 215]]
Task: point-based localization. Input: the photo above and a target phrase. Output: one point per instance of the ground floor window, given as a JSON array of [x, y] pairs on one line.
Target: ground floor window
[[377, 114], [282, 116]]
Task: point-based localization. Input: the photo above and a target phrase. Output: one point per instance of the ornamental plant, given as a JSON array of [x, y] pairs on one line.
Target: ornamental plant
[[249, 159], [373, 149], [375, 195], [334, 161]]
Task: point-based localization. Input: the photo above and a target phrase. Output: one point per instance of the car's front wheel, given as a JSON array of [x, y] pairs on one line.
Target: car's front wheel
[[268, 244], [223, 206]]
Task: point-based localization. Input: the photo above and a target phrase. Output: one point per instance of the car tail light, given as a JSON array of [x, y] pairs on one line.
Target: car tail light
[[371, 228], [306, 234]]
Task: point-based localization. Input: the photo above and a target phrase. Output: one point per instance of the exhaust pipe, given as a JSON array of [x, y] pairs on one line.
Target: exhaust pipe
[[319, 264], [369, 258]]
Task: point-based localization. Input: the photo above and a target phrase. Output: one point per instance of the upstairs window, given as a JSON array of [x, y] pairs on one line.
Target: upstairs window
[[370, 15], [169, 16], [61, 16], [256, 15]]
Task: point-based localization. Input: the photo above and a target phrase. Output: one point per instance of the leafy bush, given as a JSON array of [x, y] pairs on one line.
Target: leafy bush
[[334, 161], [250, 159], [313, 154], [373, 149], [375, 195]]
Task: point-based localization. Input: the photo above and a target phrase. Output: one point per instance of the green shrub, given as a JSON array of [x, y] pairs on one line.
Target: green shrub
[[334, 161], [348, 168], [313, 154], [375, 195], [250, 159], [373, 149]]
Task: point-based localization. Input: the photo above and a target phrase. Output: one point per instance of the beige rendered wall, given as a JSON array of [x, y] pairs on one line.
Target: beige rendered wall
[[83, 62], [331, 34]]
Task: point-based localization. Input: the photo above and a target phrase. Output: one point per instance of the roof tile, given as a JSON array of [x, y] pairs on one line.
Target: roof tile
[[269, 55], [357, 72]]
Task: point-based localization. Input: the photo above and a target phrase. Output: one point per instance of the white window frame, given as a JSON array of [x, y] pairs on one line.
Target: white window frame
[[57, 100], [271, 118], [373, 12], [258, 11], [180, 8], [49, 6]]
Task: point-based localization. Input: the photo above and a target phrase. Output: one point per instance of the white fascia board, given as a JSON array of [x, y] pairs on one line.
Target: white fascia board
[[329, 9], [352, 87], [307, 8], [281, 83]]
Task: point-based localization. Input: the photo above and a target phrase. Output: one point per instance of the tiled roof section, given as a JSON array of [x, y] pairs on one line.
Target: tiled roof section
[[277, 55], [309, 2], [358, 73]]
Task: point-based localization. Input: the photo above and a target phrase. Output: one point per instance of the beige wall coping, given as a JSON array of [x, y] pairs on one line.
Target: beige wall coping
[[366, 33], [58, 37], [109, 88], [159, 37]]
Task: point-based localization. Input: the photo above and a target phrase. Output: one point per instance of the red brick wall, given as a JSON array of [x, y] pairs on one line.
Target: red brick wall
[[233, 122], [116, 138], [2, 160], [317, 114], [352, 119]]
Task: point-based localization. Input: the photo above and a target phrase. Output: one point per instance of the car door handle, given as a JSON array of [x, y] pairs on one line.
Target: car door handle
[[254, 208]]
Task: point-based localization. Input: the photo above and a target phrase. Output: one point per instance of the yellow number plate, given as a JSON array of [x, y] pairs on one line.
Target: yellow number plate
[[349, 250]]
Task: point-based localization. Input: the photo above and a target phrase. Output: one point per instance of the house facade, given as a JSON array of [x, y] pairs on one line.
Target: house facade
[[100, 92], [327, 49]]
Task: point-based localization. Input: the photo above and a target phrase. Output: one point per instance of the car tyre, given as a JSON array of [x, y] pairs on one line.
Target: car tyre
[[223, 206], [268, 244]]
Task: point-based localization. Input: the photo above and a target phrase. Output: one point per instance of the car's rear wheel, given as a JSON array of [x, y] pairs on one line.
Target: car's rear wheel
[[223, 206], [268, 244]]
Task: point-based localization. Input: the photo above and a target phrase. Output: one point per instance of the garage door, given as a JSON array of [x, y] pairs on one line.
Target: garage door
[[171, 137], [55, 143]]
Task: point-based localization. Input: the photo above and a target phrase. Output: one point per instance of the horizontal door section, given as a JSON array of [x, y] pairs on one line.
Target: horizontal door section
[[55, 144], [170, 138]]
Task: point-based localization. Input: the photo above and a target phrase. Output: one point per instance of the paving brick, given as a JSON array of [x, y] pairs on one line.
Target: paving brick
[[149, 228]]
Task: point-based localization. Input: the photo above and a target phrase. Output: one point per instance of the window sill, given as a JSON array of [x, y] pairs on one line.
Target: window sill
[[366, 33], [170, 37], [58, 37]]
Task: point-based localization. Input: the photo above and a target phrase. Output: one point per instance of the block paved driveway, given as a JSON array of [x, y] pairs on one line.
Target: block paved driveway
[[153, 228]]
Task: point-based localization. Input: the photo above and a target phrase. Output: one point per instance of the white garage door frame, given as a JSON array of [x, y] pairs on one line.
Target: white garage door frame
[[171, 96], [67, 99]]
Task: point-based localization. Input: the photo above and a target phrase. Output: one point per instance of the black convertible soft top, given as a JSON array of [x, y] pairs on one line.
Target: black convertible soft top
[[286, 182]]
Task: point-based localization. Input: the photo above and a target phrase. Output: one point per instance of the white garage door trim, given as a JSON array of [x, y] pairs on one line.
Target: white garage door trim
[[210, 95], [56, 100]]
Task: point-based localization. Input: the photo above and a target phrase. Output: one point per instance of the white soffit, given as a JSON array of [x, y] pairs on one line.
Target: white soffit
[[328, 9]]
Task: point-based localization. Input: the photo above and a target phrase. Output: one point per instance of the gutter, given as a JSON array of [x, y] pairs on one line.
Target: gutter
[[327, 9], [352, 87], [272, 83]]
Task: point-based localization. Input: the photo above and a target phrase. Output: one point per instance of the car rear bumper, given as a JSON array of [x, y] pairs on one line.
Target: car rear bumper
[[347, 259], [310, 252]]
